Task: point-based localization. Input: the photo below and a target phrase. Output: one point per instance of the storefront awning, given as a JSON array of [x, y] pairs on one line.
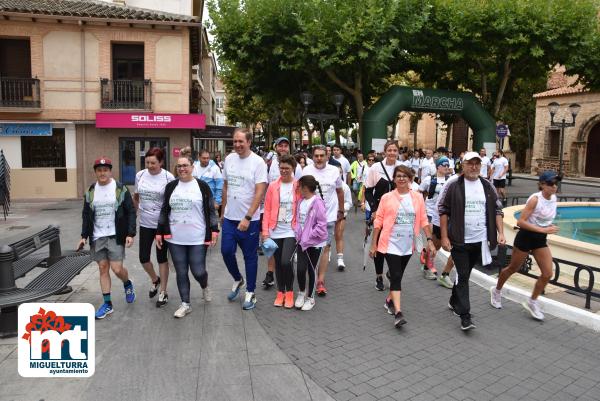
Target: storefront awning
[[150, 120], [215, 132]]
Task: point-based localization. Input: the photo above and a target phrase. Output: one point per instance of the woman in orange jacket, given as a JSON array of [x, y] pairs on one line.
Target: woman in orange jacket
[[400, 216], [280, 213]]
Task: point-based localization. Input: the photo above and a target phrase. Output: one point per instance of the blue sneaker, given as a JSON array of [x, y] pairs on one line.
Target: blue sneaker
[[104, 310], [249, 301], [235, 290], [129, 294]]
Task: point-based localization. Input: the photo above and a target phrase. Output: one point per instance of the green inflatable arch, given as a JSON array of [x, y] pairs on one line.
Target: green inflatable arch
[[403, 98]]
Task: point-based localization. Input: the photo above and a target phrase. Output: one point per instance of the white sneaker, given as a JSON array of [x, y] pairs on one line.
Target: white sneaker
[[183, 310], [309, 303], [300, 300], [533, 307], [495, 297], [249, 301], [207, 294]]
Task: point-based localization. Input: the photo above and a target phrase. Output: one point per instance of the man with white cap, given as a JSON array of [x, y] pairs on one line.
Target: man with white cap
[[470, 224]]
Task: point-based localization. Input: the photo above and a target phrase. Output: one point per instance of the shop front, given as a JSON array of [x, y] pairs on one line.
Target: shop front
[[215, 139]]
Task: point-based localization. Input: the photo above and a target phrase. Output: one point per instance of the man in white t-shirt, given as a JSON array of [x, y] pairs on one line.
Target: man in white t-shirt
[[210, 174], [330, 183], [427, 165], [244, 185], [470, 225], [486, 164], [498, 172], [345, 164]]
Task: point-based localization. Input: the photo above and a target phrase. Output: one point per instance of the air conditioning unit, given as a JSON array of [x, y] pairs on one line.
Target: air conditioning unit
[[197, 76]]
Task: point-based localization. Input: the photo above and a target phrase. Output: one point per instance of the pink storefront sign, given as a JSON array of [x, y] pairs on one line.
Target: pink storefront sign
[[150, 120]]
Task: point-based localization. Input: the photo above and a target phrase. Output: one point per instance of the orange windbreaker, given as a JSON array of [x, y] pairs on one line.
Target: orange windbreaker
[[271, 212]]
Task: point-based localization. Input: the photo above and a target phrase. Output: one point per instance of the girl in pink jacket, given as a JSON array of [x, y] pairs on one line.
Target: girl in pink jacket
[[400, 216]]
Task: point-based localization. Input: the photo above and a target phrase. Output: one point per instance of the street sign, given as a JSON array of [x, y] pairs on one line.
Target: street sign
[[501, 130]]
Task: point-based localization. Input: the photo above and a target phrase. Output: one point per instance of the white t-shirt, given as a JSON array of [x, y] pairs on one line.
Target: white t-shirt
[[451, 165], [283, 229], [389, 169], [427, 168], [485, 164], [187, 218], [431, 204], [415, 163], [345, 166], [544, 212], [210, 171], [151, 190], [274, 173], [361, 171], [475, 224], [305, 206], [499, 164], [347, 198], [329, 179], [403, 232], [309, 161], [241, 176], [105, 199]]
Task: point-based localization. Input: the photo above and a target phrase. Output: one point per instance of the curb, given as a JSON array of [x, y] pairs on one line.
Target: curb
[[549, 306]]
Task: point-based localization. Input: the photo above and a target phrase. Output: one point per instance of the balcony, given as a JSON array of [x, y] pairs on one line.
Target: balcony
[[20, 95], [126, 94]]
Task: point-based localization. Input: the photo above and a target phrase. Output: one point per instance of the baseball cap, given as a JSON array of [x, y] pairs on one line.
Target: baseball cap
[[472, 155], [281, 139], [103, 161], [549, 176], [442, 160]]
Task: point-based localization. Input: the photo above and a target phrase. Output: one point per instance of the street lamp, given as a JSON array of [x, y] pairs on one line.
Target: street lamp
[[553, 109], [307, 98]]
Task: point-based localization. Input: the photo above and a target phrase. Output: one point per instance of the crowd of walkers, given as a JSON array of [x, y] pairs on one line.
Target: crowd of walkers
[[296, 207]]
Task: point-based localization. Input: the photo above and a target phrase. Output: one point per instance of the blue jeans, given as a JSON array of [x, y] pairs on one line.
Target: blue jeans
[[248, 242], [186, 258]]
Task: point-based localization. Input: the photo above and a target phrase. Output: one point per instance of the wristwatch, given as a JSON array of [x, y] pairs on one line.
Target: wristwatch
[[249, 218]]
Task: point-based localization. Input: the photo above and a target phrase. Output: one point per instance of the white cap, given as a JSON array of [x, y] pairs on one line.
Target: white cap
[[472, 155]]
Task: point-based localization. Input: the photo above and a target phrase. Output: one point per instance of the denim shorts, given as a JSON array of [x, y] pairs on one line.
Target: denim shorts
[[330, 232], [106, 248]]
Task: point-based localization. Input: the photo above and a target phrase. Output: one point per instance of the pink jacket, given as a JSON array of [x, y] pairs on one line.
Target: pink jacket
[[315, 226], [271, 211], [385, 217]]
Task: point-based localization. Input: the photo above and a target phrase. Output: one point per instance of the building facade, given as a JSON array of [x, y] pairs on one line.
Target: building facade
[[113, 81]]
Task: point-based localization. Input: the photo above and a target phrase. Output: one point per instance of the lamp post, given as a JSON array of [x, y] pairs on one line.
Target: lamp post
[[307, 98], [553, 109]]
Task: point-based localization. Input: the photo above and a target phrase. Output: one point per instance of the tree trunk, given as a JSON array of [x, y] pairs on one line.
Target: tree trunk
[[356, 94], [502, 87]]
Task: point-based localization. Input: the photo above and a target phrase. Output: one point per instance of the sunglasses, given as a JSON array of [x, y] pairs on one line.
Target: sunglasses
[[445, 165], [370, 160]]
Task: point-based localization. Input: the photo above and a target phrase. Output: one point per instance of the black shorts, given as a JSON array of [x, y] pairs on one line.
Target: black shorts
[[528, 241], [146, 239], [500, 183], [437, 232]]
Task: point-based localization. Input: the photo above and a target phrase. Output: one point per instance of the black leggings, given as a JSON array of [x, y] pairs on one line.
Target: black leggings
[[146, 240], [396, 265], [308, 261], [284, 268]]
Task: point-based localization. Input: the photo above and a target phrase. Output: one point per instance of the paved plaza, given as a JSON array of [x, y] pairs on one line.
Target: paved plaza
[[345, 349]]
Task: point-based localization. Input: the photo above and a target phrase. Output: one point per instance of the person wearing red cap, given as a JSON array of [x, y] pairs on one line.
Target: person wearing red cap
[[109, 223]]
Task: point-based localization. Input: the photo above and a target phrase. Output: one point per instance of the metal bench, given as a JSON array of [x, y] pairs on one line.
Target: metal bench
[[15, 262]]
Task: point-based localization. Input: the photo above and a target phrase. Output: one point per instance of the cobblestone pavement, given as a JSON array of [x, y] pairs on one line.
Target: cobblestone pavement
[[349, 346]]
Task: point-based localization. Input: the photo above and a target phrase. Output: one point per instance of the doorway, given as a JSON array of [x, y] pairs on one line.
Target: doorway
[[132, 153], [592, 165]]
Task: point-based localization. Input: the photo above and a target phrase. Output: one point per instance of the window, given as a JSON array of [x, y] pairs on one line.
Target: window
[[553, 142], [44, 151], [220, 102], [15, 58], [128, 61]]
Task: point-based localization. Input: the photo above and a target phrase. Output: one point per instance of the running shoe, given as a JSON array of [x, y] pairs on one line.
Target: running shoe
[[466, 323], [300, 300], [309, 303], [429, 274], [389, 306], [321, 290], [452, 309], [269, 280], [445, 281], [207, 294], [249, 301], [341, 265], [129, 293], [183, 310], [533, 307], [379, 283], [154, 288], [104, 310], [278, 299], [495, 297], [163, 298], [235, 289], [289, 300], [399, 320]]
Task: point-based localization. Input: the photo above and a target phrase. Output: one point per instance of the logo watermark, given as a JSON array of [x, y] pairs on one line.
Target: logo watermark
[[56, 340]]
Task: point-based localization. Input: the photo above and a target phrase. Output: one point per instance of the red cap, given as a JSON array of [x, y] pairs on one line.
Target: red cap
[[103, 161]]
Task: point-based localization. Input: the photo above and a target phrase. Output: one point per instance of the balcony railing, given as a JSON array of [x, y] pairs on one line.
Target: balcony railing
[[126, 94], [20, 92]]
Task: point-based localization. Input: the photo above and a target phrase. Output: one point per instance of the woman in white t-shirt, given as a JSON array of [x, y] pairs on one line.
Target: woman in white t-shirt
[[148, 199], [188, 222], [535, 224], [280, 208]]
